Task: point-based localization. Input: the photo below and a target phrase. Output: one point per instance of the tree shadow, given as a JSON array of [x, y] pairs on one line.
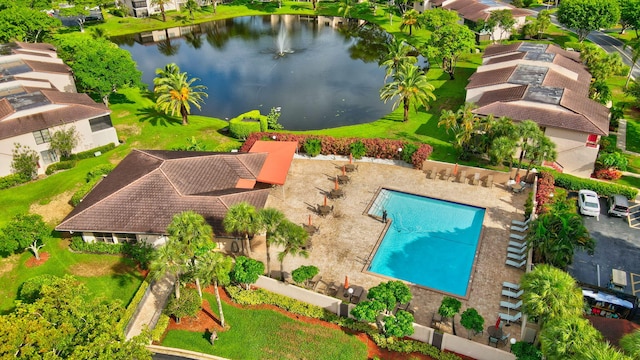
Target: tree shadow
[[118, 98], [154, 117], [270, 7]]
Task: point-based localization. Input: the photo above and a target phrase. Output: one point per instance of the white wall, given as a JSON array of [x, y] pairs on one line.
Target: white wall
[[473, 349], [575, 157]]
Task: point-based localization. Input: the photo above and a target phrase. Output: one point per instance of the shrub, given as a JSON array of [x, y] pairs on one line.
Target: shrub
[[62, 165], [77, 197], [312, 147], [98, 171], [525, 351], [608, 174], [357, 149], [161, 327], [575, 183], [242, 126], [528, 206], [615, 160], [544, 191], [30, 290], [133, 305], [408, 151], [12, 180], [98, 247], [141, 253], [304, 273], [188, 304], [90, 153]]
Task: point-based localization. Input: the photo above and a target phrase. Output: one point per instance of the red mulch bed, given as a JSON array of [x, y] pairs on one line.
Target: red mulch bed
[[33, 262], [206, 320]]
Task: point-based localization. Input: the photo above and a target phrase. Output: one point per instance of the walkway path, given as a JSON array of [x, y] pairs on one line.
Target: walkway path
[[151, 306]]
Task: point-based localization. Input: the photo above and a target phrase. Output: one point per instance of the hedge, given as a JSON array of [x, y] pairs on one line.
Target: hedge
[[161, 327], [12, 180], [98, 247], [261, 296], [77, 197], [575, 183], [133, 305], [61, 165], [90, 153], [375, 148], [241, 129]]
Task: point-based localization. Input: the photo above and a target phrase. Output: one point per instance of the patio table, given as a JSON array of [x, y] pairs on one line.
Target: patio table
[[324, 210], [336, 193], [350, 167], [343, 179]]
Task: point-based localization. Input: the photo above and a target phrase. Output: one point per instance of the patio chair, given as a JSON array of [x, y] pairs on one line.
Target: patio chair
[[510, 318], [520, 229], [521, 223], [446, 175], [517, 244], [476, 179], [332, 289], [433, 174], [505, 338], [517, 250], [516, 236], [493, 341], [313, 283], [463, 177], [511, 286], [489, 181], [510, 305], [516, 264], [511, 294], [516, 256]]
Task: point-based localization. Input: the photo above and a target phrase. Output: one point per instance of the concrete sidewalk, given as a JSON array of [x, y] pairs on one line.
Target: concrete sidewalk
[[151, 306]]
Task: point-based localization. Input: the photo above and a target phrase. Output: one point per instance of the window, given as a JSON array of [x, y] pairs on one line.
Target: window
[[42, 136], [129, 238], [48, 156], [104, 237], [101, 123]]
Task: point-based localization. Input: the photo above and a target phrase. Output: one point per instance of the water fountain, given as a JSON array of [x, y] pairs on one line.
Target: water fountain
[[282, 42]]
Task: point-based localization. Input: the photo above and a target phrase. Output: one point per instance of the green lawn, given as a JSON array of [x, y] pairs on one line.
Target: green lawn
[[266, 334], [107, 276]]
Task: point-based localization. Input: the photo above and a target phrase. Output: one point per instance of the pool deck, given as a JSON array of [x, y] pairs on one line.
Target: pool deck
[[347, 236]]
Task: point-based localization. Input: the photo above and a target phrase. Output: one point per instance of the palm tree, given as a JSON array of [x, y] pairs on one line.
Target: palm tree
[[600, 350], [169, 259], [161, 4], [555, 235], [176, 92], [449, 120], [270, 218], [564, 338], [543, 150], [630, 343], [409, 85], [550, 293], [191, 6], [398, 54], [242, 219], [467, 123], [292, 238], [214, 267], [345, 7], [529, 132], [502, 148], [192, 236], [410, 18]]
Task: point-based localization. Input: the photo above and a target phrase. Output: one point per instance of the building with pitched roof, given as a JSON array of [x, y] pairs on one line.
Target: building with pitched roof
[[138, 199], [550, 86], [38, 97]]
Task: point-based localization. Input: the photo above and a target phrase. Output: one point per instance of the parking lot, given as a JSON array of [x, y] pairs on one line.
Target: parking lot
[[617, 247]]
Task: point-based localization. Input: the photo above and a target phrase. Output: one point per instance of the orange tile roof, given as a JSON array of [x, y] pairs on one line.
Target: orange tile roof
[[280, 155]]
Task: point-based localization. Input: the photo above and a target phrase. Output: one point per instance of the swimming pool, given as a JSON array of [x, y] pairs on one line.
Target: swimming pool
[[430, 242]]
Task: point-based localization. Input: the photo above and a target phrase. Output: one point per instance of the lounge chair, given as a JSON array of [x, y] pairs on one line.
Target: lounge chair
[[517, 244], [516, 264], [520, 229], [463, 177], [511, 294], [516, 256], [510, 318], [476, 179], [517, 237], [510, 305], [446, 175], [517, 250], [313, 283], [433, 174], [521, 223], [489, 181], [511, 286]]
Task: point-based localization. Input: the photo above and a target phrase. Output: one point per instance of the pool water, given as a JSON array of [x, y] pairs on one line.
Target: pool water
[[430, 242]]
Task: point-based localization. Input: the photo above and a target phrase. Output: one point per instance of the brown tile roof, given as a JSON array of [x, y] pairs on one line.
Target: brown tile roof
[[545, 117], [459, 4], [5, 108], [83, 108], [47, 66], [595, 112], [437, 2], [555, 79], [35, 46], [474, 11], [491, 77], [496, 49], [503, 95], [577, 67], [147, 188], [573, 55], [505, 58]]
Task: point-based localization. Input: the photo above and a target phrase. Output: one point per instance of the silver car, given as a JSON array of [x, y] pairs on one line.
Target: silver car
[[588, 203]]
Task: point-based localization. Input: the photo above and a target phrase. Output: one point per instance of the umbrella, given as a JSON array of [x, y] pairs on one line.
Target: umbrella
[[343, 170], [455, 169], [498, 322], [325, 200], [350, 158], [309, 219], [346, 282], [517, 178], [336, 181]]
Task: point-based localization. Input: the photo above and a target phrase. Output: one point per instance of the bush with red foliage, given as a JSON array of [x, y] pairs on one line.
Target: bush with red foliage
[[376, 148], [608, 174], [545, 188]]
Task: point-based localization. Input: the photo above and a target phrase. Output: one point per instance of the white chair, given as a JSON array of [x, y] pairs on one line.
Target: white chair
[[516, 236], [512, 294], [518, 251], [517, 244], [520, 223], [520, 229], [517, 257], [516, 264], [510, 318], [511, 286], [510, 305]]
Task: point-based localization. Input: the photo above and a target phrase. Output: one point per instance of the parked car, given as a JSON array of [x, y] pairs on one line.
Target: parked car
[[588, 203], [618, 205]]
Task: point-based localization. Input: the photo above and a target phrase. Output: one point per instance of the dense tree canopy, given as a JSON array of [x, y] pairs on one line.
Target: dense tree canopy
[[22, 23], [585, 16], [23, 231], [99, 66], [448, 43]]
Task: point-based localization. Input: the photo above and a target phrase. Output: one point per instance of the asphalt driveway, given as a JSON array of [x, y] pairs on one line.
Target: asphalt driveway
[[617, 247]]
